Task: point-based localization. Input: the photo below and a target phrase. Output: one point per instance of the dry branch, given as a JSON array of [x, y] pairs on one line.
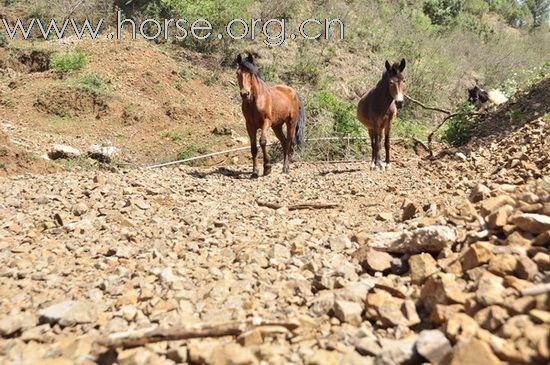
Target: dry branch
[[450, 115], [427, 107], [536, 290], [197, 330], [299, 206]]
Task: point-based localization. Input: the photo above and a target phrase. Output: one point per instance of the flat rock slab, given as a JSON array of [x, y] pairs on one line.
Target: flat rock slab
[[67, 314], [427, 239]]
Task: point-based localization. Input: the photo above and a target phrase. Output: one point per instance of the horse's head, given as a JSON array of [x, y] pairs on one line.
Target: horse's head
[[396, 81], [247, 71]]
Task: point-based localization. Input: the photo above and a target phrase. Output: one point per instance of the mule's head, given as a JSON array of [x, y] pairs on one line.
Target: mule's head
[[247, 70], [396, 81]]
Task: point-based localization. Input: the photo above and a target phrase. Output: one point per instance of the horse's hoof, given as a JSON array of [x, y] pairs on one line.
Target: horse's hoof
[[388, 167], [254, 175], [373, 166], [267, 170]]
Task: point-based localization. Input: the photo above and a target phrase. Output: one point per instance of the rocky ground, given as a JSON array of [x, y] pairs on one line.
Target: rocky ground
[[442, 262]]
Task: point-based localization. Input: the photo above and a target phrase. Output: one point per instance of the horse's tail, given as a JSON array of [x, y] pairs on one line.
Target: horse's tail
[[299, 137]]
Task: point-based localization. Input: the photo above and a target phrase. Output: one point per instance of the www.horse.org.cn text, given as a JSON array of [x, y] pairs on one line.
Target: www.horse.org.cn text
[[273, 32]]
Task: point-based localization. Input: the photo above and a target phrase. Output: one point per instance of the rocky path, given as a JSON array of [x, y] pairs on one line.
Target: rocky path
[[84, 255]]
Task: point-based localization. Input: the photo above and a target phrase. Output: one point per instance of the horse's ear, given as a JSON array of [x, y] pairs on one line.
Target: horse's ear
[[402, 65], [388, 66], [250, 58], [239, 59]]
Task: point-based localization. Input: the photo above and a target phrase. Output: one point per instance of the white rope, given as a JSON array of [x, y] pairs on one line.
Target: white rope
[[172, 163]]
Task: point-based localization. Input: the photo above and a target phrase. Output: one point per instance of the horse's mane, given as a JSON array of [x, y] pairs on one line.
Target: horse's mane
[[252, 68]]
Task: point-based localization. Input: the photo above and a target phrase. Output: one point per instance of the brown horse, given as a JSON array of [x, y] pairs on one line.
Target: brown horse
[[378, 107], [267, 107]]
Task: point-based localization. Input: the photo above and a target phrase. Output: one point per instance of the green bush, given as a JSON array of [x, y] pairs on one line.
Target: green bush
[[461, 127], [476, 7], [331, 116], [191, 150], [269, 73], [68, 62], [478, 27], [443, 12], [218, 12], [94, 82], [343, 113]]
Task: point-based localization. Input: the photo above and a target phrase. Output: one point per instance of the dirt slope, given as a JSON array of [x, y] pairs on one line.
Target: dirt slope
[[152, 101]]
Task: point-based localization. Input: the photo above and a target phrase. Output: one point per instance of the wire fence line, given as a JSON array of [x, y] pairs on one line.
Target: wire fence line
[[318, 150]]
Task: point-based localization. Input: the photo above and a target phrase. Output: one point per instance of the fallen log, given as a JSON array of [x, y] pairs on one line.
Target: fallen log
[[156, 334], [308, 206]]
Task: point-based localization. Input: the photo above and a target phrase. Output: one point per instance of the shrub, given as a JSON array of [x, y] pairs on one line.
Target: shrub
[[443, 12], [331, 116], [172, 135], [94, 82], [269, 73], [191, 150], [68, 62], [305, 73], [460, 128], [476, 7], [478, 27]]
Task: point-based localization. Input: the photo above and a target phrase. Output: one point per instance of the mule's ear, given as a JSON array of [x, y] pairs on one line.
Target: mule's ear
[[388, 66], [239, 59], [402, 65], [250, 58]]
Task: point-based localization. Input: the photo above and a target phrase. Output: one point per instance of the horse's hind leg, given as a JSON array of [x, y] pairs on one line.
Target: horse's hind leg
[[377, 145], [263, 143], [253, 149], [281, 137]]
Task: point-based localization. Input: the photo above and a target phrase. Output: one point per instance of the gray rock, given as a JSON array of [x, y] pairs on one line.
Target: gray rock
[[398, 351], [431, 238], [348, 312], [433, 346], [68, 313], [102, 153], [59, 151]]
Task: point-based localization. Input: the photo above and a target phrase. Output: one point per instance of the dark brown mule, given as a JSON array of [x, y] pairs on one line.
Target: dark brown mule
[[378, 107], [267, 107]]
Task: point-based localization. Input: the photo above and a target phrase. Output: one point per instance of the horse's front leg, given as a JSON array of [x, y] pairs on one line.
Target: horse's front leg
[[373, 149], [253, 149], [377, 146], [263, 143], [387, 145]]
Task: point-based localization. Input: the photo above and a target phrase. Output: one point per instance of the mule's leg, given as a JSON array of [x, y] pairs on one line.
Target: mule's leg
[[253, 149], [263, 143], [281, 137], [387, 145], [377, 145], [373, 149]]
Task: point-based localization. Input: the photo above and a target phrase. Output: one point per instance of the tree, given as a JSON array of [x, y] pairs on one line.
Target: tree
[[539, 10], [443, 12]]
